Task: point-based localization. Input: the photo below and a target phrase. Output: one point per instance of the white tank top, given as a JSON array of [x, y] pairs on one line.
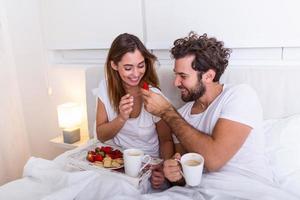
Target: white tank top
[[137, 132]]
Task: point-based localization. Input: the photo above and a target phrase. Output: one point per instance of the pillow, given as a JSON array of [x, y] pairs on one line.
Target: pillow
[[282, 138]]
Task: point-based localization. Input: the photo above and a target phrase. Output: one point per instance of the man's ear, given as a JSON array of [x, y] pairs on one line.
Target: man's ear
[[209, 75], [113, 65]]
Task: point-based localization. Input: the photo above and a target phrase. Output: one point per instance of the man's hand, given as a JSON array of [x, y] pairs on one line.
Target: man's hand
[[172, 169], [157, 176], [126, 106], [155, 103]]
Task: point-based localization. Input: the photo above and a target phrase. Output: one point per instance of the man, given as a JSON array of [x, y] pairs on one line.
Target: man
[[221, 122]]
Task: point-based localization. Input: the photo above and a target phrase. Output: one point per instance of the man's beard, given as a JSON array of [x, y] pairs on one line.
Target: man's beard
[[194, 93]]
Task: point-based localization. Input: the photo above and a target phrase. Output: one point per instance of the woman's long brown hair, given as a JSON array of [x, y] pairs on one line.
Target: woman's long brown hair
[[123, 44]]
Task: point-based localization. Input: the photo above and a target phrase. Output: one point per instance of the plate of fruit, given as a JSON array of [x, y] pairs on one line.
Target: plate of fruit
[[106, 157]]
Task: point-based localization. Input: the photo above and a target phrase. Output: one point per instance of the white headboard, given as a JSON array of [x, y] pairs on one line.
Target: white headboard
[[278, 87]]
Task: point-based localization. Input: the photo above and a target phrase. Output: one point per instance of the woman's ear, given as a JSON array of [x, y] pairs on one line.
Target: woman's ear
[[113, 65], [209, 75]]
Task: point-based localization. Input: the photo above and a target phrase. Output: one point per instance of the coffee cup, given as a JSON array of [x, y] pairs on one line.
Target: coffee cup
[[135, 161], [192, 167], [155, 162]]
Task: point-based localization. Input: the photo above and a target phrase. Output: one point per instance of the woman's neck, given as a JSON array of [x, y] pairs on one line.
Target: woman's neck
[[132, 90]]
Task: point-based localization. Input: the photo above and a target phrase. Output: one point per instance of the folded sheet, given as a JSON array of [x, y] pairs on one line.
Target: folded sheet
[[86, 185]]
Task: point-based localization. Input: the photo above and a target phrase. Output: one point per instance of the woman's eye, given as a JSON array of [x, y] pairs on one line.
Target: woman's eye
[[127, 68], [141, 66]]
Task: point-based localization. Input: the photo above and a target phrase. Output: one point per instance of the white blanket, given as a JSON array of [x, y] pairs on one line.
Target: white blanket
[[88, 185]]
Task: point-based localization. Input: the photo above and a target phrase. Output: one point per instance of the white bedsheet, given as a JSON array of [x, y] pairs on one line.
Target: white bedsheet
[[47, 180], [25, 188]]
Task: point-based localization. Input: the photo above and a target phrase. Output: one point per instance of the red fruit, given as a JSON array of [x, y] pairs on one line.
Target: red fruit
[[106, 149], [92, 152], [90, 157], [145, 86], [118, 151], [117, 154], [98, 157]]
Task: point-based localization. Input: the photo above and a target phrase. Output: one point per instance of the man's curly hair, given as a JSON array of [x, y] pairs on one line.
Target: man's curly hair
[[209, 53]]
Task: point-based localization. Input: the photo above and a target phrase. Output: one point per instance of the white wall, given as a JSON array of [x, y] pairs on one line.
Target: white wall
[[29, 68], [255, 23], [14, 144], [28, 112], [73, 24]]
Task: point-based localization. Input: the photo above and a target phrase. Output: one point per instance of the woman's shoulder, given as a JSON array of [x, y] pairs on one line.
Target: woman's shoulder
[[101, 91], [102, 87]]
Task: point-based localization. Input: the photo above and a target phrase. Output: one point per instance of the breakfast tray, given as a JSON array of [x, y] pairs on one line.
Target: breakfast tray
[[77, 160]]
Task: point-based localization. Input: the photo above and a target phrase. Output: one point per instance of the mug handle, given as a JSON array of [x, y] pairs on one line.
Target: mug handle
[[146, 163], [180, 164]]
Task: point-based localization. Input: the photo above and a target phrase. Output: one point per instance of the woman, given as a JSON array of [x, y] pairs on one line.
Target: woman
[[121, 116]]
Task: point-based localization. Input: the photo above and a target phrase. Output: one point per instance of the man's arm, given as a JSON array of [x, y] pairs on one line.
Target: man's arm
[[179, 149], [217, 149], [227, 138]]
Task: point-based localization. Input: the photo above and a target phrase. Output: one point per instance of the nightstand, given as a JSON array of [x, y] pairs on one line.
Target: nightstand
[[59, 141]]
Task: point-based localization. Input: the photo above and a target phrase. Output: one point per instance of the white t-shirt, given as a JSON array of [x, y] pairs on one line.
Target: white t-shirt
[[137, 132], [237, 103]]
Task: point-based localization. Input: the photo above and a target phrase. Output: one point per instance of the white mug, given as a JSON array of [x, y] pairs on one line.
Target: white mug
[[192, 167], [133, 159]]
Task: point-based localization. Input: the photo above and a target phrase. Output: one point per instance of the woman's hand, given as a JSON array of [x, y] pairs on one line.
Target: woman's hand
[[157, 176], [172, 169], [126, 106]]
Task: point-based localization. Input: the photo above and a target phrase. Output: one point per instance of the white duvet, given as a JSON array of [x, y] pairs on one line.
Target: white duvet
[[47, 180]]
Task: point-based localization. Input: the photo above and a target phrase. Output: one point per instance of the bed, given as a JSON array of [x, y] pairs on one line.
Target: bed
[[278, 88]]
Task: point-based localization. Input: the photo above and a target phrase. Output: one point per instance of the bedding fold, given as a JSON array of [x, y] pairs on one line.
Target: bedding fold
[[88, 185]]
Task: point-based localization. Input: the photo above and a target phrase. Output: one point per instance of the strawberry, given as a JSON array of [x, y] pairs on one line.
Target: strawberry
[[92, 152], [90, 157], [106, 149], [98, 157], [117, 154], [145, 86], [117, 151]]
